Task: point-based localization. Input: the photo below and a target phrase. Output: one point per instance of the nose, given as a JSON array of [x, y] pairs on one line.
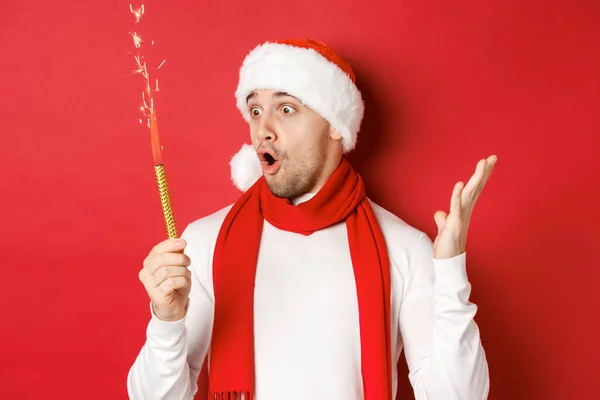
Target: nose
[[266, 130]]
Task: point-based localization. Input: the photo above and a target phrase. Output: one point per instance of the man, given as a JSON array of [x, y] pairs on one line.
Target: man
[[304, 288]]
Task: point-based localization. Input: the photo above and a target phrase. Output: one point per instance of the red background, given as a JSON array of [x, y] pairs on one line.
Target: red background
[[445, 84]]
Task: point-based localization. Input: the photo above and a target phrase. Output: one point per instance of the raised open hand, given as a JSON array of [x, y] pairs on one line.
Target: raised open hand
[[451, 239]]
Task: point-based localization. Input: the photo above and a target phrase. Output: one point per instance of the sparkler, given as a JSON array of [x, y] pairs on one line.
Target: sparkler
[[148, 111]]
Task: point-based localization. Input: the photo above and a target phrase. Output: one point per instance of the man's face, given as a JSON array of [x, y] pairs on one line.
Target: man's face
[[292, 142]]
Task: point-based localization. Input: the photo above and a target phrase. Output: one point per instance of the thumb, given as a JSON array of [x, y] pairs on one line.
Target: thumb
[[440, 219]]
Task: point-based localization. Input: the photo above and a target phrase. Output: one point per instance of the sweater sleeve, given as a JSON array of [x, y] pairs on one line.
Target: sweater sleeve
[[169, 363], [442, 345]]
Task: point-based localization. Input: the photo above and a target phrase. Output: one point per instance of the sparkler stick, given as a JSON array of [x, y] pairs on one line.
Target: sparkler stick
[[148, 111]]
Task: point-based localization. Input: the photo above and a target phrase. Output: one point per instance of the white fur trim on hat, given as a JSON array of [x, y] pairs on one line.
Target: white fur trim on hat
[[307, 75], [245, 168]]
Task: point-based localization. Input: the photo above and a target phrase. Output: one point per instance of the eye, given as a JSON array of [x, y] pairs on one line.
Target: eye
[[288, 110], [255, 111]]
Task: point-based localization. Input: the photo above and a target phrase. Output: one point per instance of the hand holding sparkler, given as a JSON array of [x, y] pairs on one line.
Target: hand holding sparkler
[[167, 279]]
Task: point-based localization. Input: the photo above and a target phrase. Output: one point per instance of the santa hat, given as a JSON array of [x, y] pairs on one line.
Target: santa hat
[[308, 70]]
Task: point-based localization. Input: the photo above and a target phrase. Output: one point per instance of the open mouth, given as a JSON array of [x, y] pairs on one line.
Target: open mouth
[[270, 164], [269, 159]]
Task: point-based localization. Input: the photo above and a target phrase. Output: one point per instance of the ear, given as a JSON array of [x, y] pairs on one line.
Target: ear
[[333, 134]]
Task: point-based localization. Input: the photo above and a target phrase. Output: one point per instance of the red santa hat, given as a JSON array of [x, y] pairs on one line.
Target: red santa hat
[[308, 70]]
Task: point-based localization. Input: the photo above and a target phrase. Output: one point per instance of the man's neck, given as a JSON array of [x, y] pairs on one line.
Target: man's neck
[[302, 198]]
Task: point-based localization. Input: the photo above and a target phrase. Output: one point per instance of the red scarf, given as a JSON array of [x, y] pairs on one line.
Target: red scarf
[[342, 198]]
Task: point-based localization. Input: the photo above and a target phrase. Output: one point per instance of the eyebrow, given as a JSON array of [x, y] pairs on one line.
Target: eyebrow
[[276, 94]]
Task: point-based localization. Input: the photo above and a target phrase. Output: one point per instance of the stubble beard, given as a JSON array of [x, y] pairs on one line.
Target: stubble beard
[[292, 182]]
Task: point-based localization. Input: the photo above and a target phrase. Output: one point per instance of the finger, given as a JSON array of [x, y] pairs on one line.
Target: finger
[[440, 219], [490, 162], [170, 285], [163, 259], [170, 245], [166, 272], [456, 200], [476, 179]]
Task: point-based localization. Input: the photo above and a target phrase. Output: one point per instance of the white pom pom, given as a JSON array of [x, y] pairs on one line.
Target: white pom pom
[[245, 168]]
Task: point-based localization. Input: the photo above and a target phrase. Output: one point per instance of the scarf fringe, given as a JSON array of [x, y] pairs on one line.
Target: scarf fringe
[[231, 395]]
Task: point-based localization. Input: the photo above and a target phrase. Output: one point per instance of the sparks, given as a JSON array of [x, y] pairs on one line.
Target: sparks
[[137, 40], [138, 12], [147, 107]]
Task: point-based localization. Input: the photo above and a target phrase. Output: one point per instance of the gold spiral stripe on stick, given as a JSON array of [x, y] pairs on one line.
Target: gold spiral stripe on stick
[[165, 200]]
